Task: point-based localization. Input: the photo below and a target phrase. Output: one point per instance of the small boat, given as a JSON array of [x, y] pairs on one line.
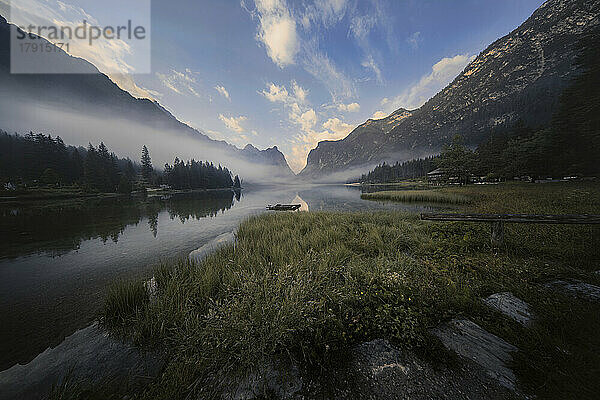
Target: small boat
[[283, 207]]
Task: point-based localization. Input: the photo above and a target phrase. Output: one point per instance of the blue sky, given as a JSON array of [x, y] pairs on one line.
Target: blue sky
[[292, 73]]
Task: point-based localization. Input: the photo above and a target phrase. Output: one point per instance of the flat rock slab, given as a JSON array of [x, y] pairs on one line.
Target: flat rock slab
[[90, 356], [210, 247], [379, 370], [511, 306], [277, 379], [577, 288], [471, 341]]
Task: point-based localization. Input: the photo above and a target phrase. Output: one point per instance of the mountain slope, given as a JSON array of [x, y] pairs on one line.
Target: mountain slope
[[520, 76], [95, 94]]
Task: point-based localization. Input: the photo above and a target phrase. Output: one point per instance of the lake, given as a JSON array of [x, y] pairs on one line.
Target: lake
[[58, 257]]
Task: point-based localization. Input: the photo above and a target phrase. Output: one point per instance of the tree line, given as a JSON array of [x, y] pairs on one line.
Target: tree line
[[384, 172], [198, 175], [35, 159]]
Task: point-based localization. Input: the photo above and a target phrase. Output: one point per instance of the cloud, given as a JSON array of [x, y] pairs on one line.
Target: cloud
[[334, 129], [183, 83], [285, 45], [361, 26], [338, 128], [325, 13], [233, 123], [277, 31], [352, 107], [223, 92], [306, 120], [300, 93], [320, 66], [442, 73], [414, 40], [379, 115], [370, 63], [280, 94]]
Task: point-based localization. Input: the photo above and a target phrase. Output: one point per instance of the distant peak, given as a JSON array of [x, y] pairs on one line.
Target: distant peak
[[250, 147]]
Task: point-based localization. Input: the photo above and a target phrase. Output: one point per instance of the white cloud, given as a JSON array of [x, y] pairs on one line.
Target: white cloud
[[370, 63], [223, 92], [352, 107], [276, 93], [306, 120], [183, 83], [442, 73], [324, 12], [320, 66], [300, 93], [379, 115], [361, 26], [280, 94], [277, 31], [338, 128], [233, 123], [334, 129], [414, 40]]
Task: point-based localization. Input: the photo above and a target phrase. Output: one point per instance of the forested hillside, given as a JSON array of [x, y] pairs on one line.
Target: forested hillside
[[37, 159]]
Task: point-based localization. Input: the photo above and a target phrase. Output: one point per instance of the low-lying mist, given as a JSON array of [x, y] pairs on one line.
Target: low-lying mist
[[125, 138]]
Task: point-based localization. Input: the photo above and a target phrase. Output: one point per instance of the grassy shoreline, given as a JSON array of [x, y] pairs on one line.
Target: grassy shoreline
[[310, 285], [417, 196]]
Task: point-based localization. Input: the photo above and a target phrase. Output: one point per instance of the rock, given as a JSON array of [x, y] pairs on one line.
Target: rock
[[90, 356], [510, 306], [269, 379], [577, 289], [471, 341], [379, 370], [221, 240]]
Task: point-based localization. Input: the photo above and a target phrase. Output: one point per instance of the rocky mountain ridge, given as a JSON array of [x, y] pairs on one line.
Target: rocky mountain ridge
[[518, 77]]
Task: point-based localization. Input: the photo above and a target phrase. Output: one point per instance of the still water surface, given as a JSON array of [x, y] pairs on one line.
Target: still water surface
[[58, 257]]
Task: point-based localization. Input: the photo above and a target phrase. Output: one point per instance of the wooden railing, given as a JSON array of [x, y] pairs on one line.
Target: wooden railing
[[498, 220]]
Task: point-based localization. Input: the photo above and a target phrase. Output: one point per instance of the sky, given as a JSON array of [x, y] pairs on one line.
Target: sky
[[288, 73]]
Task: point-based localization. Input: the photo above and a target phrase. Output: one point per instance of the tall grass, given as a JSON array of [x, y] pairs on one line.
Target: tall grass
[[124, 300], [308, 285], [417, 196]]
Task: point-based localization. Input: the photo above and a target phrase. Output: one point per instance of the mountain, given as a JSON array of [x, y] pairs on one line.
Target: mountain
[[86, 91], [518, 77]]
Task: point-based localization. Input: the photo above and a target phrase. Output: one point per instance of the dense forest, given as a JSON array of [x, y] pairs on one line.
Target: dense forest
[[41, 160], [568, 146], [198, 174], [399, 171]]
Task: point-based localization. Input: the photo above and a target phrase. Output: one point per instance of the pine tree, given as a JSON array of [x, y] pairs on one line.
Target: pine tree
[[146, 165]]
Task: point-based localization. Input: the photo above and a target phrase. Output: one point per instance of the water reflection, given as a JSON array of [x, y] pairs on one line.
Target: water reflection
[[57, 228]]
